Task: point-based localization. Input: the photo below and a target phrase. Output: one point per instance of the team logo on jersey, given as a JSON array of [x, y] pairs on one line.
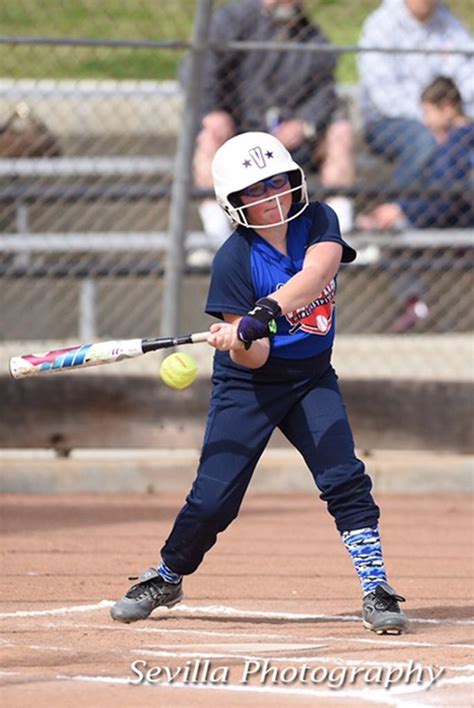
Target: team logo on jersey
[[316, 317]]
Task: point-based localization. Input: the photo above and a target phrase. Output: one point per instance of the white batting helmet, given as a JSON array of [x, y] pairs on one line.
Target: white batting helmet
[[249, 158]]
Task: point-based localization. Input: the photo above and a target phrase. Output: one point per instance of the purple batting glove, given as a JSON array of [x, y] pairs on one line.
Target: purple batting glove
[[256, 323]]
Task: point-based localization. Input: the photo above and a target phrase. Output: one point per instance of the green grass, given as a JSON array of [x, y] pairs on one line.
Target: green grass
[[144, 19]]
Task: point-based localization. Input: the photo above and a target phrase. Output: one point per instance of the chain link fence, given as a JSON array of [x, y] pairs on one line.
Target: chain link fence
[[91, 108]]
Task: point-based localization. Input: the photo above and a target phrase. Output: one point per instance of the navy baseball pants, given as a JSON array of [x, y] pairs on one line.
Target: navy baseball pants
[[302, 398]]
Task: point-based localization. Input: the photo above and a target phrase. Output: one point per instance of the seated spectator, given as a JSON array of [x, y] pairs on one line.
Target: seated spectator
[[391, 83], [449, 166], [290, 94], [25, 135]]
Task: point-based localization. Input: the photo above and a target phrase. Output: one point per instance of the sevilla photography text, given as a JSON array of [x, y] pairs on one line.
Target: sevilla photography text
[[263, 672]]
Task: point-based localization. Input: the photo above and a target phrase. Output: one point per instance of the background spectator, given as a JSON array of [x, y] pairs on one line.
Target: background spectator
[[449, 166], [391, 83], [290, 94]]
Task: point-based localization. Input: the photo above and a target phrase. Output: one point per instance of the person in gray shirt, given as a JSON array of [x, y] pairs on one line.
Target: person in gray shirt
[[291, 94]]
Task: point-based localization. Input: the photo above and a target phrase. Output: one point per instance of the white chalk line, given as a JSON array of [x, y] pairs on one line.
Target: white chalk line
[[378, 696], [58, 610], [394, 642], [397, 643], [221, 610], [42, 647], [370, 695], [257, 614], [117, 627], [224, 653], [259, 647]]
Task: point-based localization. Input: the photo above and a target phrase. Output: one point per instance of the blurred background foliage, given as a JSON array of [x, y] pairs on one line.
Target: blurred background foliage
[[145, 20]]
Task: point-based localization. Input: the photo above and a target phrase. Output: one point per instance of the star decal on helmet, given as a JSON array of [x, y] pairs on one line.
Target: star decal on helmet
[[269, 154], [246, 163]]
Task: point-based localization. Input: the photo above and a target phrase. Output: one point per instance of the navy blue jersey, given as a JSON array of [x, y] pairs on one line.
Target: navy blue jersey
[[247, 268]]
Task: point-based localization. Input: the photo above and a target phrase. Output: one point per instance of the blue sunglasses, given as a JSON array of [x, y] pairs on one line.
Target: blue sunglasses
[[259, 188]]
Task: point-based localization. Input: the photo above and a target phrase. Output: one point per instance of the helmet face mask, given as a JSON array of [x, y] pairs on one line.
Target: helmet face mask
[[250, 158], [241, 208]]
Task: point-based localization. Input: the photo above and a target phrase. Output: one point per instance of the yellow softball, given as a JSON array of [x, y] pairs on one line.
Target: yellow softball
[[178, 370]]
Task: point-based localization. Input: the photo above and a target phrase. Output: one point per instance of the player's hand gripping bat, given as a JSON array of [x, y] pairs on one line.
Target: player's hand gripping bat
[[85, 355]]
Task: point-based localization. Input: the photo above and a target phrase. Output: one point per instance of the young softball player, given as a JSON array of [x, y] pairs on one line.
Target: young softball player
[[273, 286]]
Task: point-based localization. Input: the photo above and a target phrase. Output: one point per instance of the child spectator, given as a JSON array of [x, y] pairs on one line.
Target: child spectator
[[448, 173]]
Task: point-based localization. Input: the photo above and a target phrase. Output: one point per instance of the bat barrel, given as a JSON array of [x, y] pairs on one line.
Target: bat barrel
[[85, 355], [78, 357], [18, 368]]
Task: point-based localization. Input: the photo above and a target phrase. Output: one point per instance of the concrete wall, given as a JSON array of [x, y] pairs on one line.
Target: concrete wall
[[90, 411]]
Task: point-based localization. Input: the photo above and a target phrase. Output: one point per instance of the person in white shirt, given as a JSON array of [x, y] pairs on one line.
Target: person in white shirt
[[391, 83]]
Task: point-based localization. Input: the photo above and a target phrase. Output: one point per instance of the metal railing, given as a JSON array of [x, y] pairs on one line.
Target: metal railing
[[119, 205]]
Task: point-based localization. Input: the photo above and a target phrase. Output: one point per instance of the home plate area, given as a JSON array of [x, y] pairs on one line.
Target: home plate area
[[272, 617]]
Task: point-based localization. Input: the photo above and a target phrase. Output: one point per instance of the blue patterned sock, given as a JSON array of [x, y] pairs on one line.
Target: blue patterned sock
[[168, 574], [365, 550]]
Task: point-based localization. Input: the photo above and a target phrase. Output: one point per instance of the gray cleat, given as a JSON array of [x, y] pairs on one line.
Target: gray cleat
[[150, 592], [381, 613]]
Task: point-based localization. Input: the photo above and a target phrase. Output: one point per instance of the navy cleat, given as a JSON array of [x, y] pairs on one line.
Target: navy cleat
[[381, 613], [150, 592]]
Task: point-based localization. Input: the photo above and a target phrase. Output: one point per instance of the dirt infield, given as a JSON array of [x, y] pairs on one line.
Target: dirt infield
[[270, 619]]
